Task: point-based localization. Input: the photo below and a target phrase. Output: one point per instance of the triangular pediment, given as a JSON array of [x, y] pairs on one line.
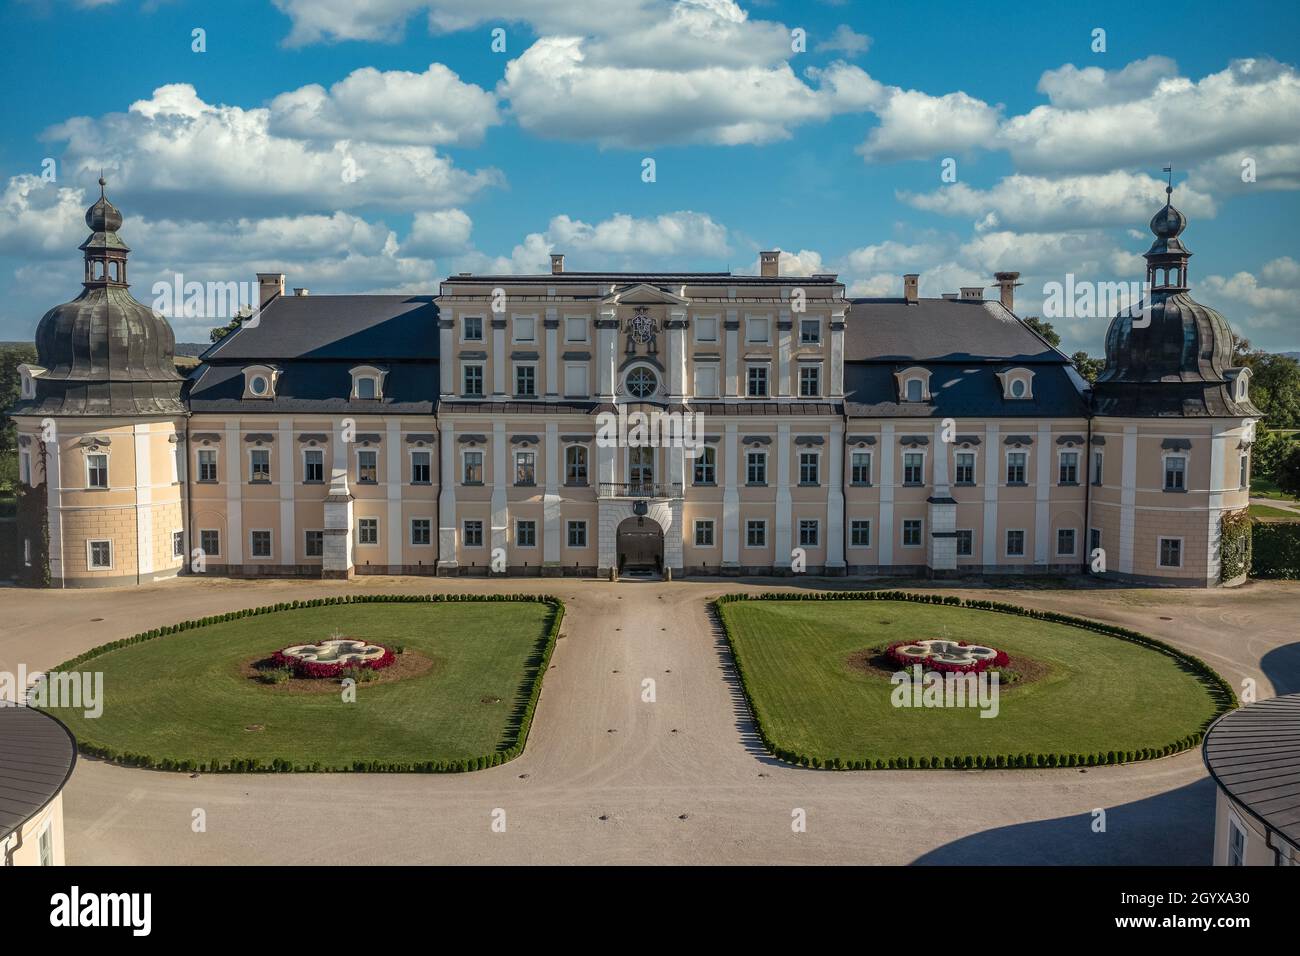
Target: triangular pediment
[[642, 293]]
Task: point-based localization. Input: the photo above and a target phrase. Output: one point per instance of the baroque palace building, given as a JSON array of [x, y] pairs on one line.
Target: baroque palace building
[[335, 435]]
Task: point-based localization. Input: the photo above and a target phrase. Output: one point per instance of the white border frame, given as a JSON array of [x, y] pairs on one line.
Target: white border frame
[[112, 555], [252, 555]]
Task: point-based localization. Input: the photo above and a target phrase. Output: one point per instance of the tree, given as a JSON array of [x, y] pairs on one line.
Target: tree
[[1088, 366], [1275, 388], [1044, 329], [11, 356], [1270, 450], [1288, 472]]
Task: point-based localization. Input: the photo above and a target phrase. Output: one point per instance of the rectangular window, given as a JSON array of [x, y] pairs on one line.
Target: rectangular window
[[1065, 542], [965, 467], [1094, 540], [706, 380], [368, 531], [471, 471], [96, 471], [575, 328], [525, 381], [577, 534], [706, 471], [259, 544], [706, 329], [704, 533], [1098, 468], [210, 543], [756, 534], [1244, 464], [421, 468], [25, 467], [525, 468], [100, 554], [421, 532], [259, 464], [207, 464], [1069, 470], [1015, 544], [313, 466], [810, 381], [472, 381], [809, 467], [367, 467], [757, 381], [913, 468], [473, 534], [525, 329], [1175, 473], [575, 381], [965, 543], [810, 332], [1016, 467], [575, 465], [46, 844], [912, 533], [756, 468], [526, 534], [472, 328], [809, 533], [313, 543], [860, 468], [178, 544], [1236, 843], [860, 533], [27, 552], [1171, 552], [756, 331]]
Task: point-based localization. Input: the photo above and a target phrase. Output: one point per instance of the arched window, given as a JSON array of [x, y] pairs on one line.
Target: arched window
[[365, 387], [914, 390]]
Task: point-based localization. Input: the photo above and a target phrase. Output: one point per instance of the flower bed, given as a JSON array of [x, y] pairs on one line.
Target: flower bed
[[943, 656], [302, 667]]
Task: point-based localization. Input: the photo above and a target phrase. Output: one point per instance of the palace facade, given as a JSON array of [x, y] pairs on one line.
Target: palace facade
[[460, 433]]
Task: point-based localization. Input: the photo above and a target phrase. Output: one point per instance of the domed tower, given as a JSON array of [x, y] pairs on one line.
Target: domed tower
[[101, 427], [1172, 433]]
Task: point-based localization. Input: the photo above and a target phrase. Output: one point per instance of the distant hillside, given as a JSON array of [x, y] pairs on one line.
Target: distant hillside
[[192, 348]]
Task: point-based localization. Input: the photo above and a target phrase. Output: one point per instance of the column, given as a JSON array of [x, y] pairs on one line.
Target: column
[[1043, 548], [500, 507], [234, 494], [942, 546], [552, 527], [499, 358], [606, 354], [677, 388], [143, 499], [1128, 499], [731, 498], [783, 328], [782, 536], [732, 358], [449, 477], [837, 354], [53, 499], [337, 560], [835, 500]]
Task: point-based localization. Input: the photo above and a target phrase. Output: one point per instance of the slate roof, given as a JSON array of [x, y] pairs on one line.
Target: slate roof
[[410, 388], [650, 278], [37, 754], [1254, 755], [963, 390]]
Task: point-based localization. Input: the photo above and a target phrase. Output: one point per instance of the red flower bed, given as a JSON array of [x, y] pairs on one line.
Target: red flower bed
[[302, 668], [997, 662]]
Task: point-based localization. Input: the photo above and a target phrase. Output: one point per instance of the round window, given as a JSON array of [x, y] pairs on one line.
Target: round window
[[641, 382], [1018, 388], [258, 385]]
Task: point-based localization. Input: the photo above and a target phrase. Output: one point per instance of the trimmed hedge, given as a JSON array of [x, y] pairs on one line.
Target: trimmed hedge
[[1276, 550], [1220, 691], [281, 765]]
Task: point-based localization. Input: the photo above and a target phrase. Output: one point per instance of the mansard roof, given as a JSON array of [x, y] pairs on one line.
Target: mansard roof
[[317, 386], [964, 390], [943, 330]]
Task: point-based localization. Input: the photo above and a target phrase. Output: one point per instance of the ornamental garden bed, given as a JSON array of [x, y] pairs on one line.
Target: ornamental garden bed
[[819, 677], [459, 696]]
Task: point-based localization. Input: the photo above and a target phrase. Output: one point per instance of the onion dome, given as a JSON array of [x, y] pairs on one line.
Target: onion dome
[[104, 353], [1169, 355]]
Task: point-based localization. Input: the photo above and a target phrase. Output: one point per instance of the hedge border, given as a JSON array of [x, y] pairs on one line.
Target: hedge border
[[1220, 690], [283, 765]]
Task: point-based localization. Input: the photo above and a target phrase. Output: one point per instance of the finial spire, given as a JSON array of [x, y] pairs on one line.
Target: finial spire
[[1169, 189], [102, 184]]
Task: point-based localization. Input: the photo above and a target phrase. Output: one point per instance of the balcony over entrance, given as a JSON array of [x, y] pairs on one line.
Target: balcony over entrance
[[640, 489]]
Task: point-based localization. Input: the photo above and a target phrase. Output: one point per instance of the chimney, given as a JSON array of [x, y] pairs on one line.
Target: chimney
[[770, 263], [301, 292], [269, 286], [557, 263], [1007, 286], [972, 293], [909, 287]]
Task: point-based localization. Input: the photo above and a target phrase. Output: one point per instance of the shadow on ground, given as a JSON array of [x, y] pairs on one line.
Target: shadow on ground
[[1175, 828], [1282, 668]]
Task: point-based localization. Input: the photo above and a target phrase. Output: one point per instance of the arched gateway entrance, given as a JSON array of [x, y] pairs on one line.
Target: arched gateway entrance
[[640, 545]]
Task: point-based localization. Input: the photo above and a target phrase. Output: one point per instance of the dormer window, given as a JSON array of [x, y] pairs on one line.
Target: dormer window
[[1017, 384], [260, 381], [367, 383], [913, 384], [1239, 378], [28, 374]]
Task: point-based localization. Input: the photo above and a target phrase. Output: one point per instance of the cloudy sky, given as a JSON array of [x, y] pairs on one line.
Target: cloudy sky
[[380, 146]]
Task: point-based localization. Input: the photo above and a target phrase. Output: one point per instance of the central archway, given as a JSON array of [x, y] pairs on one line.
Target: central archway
[[640, 545]]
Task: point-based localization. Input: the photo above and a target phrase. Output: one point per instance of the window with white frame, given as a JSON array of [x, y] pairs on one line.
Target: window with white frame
[[1171, 552], [525, 467], [809, 532], [1243, 463], [259, 464], [367, 466], [810, 381], [421, 467], [471, 328], [472, 534], [368, 531], [1098, 466], [757, 330], [1068, 468], [860, 533], [45, 844], [471, 467], [99, 555], [1015, 543], [756, 533], [965, 543], [810, 332], [259, 543], [577, 534], [964, 468], [313, 466], [525, 533], [259, 381], [368, 383], [1017, 384], [755, 467], [912, 531], [1065, 542], [860, 468], [210, 542], [706, 380], [525, 329], [705, 471], [471, 379], [1236, 843], [96, 470], [421, 532], [706, 328], [575, 328], [704, 532], [25, 466], [525, 381], [914, 468], [575, 465], [178, 544], [1175, 472], [914, 390], [756, 381], [313, 544], [809, 468], [575, 380], [1016, 467]]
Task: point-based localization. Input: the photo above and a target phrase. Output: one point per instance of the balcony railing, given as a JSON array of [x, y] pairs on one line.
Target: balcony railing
[[640, 489]]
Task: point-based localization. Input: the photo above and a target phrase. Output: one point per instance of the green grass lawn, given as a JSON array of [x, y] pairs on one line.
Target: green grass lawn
[[1264, 511], [1267, 488], [182, 695], [1099, 693]]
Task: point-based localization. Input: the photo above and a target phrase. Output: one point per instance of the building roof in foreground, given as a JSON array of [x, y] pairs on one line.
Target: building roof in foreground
[[37, 754], [1254, 755]]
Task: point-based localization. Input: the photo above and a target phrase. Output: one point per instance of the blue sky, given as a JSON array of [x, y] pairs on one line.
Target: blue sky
[[382, 146]]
